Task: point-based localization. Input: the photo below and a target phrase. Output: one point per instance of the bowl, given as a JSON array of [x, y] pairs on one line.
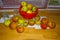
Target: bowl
[[28, 15]]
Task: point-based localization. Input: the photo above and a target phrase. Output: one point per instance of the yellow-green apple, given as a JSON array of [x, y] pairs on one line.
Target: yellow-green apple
[[29, 11], [23, 3], [21, 21], [24, 8], [34, 9], [38, 22], [29, 6], [7, 22]]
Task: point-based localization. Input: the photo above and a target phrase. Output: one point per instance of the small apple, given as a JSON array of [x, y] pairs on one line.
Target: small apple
[[51, 24], [37, 22], [29, 11], [15, 19], [21, 21], [34, 9], [31, 22], [13, 25], [43, 26], [23, 3], [19, 29], [44, 20], [24, 8], [7, 22], [37, 17], [25, 24], [29, 6]]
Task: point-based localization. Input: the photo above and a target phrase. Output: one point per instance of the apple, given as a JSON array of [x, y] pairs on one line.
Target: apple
[[51, 24], [43, 26], [13, 25], [29, 6], [24, 8], [23, 3], [37, 22], [15, 19], [37, 17], [44, 20], [7, 22], [21, 21], [20, 29], [31, 22], [25, 24], [34, 9], [29, 11]]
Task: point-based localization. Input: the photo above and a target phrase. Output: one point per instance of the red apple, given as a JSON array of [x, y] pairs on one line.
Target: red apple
[[43, 26], [20, 29], [13, 25], [44, 20]]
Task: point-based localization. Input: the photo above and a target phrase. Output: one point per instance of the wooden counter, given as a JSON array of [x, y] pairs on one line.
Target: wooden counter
[[33, 34]]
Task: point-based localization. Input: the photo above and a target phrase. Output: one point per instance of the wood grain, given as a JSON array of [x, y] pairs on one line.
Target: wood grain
[[34, 34]]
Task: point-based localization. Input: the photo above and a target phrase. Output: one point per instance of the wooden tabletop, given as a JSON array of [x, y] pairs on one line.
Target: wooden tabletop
[[34, 34]]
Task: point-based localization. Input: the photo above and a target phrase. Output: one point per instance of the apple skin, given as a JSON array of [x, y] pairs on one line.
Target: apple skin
[[21, 21], [51, 24], [37, 22], [29, 11], [31, 22], [34, 9], [37, 17], [23, 3], [29, 6], [15, 19], [13, 25], [25, 24], [24, 8], [43, 26], [7, 22], [44, 20], [19, 29]]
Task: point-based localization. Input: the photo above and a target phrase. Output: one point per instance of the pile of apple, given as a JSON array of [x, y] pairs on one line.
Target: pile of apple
[[19, 23], [44, 23], [15, 23], [47, 23], [28, 11]]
